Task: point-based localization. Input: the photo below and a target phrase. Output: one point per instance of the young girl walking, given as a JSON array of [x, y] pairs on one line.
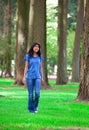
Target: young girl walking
[[33, 76]]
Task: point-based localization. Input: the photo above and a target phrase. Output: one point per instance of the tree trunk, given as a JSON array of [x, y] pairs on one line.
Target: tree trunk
[[8, 52], [75, 67], [37, 30], [83, 93], [21, 45], [2, 15], [40, 33], [31, 24], [62, 32]]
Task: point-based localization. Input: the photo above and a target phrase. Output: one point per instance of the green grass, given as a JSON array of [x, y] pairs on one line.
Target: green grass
[[57, 108]]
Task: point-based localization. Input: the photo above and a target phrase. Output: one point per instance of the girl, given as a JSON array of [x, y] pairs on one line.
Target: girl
[[33, 76]]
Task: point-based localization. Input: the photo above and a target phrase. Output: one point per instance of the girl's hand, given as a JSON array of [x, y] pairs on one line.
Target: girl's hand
[[42, 81], [24, 81]]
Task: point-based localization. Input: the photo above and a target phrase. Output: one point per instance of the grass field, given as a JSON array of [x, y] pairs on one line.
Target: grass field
[[58, 109]]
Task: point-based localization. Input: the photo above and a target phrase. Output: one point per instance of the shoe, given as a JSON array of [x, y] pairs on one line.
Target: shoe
[[32, 111], [36, 110]]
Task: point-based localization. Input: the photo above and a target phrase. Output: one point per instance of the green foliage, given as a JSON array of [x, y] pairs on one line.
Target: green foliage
[[72, 14], [52, 18], [3, 32], [51, 36], [52, 13], [70, 46], [57, 108], [4, 50], [4, 47]]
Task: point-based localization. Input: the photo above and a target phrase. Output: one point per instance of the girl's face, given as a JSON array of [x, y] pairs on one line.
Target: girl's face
[[36, 48]]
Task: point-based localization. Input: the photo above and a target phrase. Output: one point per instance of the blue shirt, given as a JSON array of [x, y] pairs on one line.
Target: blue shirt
[[33, 66]]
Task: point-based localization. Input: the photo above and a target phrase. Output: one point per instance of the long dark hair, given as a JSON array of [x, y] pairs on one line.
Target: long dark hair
[[30, 52]]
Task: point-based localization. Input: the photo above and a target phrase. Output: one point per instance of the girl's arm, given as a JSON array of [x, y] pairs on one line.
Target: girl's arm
[[25, 71], [41, 68]]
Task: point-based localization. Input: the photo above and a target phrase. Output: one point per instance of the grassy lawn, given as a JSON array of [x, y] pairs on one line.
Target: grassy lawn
[[57, 108]]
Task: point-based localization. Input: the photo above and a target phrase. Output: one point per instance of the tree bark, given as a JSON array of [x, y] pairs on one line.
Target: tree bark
[[62, 33], [2, 15], [22, 35], [8, 52], [83, 93], [37, 30], [31, 24], [76, 52]]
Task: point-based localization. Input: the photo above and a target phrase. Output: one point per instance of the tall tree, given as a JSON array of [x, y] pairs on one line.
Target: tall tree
[[76, 52], [31, 24], [40, 32], [22, 34], [2, 7], [83, 93], [37, 29], [8, 52], [62, 33]]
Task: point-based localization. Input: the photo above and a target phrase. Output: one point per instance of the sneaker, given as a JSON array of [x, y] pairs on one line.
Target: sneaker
[[36, 110], [31, 111]]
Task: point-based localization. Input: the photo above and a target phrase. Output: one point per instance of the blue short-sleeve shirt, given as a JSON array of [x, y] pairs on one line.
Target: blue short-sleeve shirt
[[33, 66]]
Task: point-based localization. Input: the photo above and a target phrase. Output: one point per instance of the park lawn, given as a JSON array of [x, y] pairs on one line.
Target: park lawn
[[58, 109]]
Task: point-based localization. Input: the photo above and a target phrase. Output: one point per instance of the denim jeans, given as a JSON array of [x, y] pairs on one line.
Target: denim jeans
[[33, 86]]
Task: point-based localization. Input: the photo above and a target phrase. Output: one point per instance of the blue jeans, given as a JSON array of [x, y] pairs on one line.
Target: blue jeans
[[33, 86]]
